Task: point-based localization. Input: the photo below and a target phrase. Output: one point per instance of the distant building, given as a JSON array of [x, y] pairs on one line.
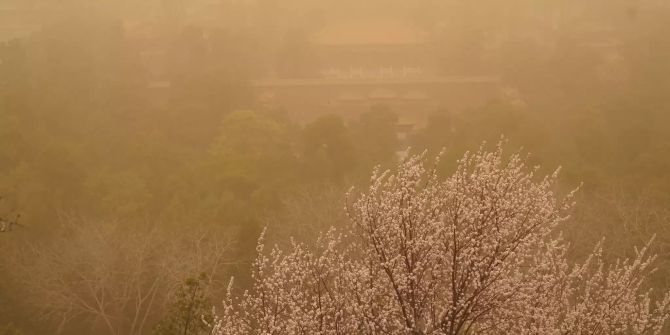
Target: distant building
[[364, 63]]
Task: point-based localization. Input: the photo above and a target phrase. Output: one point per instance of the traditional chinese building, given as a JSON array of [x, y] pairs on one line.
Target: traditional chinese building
[[359, 64]]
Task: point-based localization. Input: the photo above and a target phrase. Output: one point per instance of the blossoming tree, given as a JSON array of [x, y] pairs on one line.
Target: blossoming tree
[[479, 252]]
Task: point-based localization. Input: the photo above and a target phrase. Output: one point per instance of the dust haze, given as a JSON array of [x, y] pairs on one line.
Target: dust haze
[[146, 144]]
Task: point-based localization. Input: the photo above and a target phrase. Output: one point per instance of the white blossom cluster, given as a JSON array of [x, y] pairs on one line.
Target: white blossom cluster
[[476, 253]]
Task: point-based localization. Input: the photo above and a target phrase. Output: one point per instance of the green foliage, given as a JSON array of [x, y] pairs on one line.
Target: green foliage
[[80, 130], [10, 329], [190, 306], [250, 148], [375, 135], [327, 149]]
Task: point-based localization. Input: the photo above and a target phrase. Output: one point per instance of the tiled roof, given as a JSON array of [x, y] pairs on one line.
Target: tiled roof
[[369, 31]]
